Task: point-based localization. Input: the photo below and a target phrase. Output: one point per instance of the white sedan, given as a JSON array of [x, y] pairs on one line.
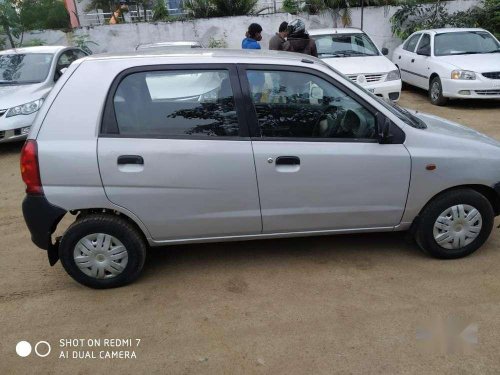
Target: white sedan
[[451, 63]]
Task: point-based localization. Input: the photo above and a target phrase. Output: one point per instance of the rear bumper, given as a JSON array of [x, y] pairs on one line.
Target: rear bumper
[[42, 218]]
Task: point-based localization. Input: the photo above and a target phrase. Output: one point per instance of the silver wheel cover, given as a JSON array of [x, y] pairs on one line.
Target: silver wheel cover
[[435, 91], [100, 256], [457, 226]]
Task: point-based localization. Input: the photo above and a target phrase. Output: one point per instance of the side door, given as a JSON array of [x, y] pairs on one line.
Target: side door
[[174, 150], [406, 58], [421, 67], [318, 160]]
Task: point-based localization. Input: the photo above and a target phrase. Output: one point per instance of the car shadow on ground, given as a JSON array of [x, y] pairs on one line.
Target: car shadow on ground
[[11, 148], [353, 248], [456, 103]]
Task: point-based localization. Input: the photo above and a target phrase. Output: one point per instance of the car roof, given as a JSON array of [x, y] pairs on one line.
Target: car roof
[[169, 44], [451, 30], [333, 30], [216, 55], [40, 49]]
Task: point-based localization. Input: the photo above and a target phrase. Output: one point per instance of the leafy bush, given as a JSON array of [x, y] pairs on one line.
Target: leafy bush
[[219, 8], [160, 11], [33, 43], [291, 6], [218, 43], [43, 14], [413, 16], [83, 41]]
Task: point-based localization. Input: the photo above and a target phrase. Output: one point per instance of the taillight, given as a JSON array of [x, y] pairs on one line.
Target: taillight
[[30, 170]]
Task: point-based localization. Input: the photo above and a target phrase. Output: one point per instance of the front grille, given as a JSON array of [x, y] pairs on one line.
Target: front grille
[[488, 92], [492, 75], [2, 135], [2, 112], [369, 78]]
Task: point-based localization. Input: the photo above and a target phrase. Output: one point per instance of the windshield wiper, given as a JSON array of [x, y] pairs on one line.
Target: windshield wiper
[[331, 55], [466, 53], [352, 52], [8, 82]]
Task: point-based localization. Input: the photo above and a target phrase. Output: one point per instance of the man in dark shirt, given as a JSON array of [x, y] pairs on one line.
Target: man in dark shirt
[[278, 42]]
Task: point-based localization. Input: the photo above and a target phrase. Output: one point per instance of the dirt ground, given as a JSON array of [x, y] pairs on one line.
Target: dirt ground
[[324, 305]]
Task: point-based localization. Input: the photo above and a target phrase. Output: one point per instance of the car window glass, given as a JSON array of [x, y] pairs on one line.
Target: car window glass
[[424, 42], [466, 42], [301, 105], [345, 45], [411, 43], [176, 103], [25, 68]]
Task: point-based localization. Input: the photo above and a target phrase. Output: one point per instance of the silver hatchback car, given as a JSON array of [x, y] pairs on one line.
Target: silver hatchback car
[[205, 145]]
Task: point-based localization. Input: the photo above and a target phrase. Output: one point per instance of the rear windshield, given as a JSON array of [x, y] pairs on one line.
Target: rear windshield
[[24, 68]]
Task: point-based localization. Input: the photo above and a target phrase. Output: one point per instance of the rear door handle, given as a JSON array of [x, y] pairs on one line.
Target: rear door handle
[[287, 160], [130, 159], [412, 60]]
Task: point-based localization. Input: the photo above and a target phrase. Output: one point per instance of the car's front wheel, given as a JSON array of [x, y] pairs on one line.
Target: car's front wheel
[[102, 251], [455, 224], [436, 92]]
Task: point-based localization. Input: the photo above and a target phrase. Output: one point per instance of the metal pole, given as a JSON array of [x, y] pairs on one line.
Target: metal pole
[[362, 12]]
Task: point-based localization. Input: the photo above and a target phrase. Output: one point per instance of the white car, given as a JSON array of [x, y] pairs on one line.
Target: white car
[[27, 75], [451, 63], [353, 53]]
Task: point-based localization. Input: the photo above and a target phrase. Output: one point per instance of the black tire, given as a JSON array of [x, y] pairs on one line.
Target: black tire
[[424, 234], [115, 226], [438, 99]]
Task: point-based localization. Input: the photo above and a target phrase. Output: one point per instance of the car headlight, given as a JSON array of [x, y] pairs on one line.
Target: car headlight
[[463, 74], [393, 75], [25, 109]]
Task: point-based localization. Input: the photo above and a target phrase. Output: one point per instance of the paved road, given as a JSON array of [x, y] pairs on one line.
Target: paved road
[[345, 304]]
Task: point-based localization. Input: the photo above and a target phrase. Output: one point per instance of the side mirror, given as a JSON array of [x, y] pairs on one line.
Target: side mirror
[[384, 129], [63, 70], [424, 51], [385, 51]]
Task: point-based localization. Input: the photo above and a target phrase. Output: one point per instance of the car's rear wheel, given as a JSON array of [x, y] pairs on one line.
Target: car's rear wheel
[[436, 92], [455, 224], [102, 251]]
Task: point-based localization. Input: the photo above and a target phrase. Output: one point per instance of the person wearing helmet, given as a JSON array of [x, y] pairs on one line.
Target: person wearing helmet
[[299, 40]]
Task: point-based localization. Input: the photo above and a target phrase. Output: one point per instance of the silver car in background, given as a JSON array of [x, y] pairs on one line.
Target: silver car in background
[[26, 77], [254, 145]]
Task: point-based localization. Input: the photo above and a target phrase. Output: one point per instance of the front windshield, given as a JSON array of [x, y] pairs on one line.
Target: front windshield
[[465, 43], [345, 45], [24, 68]]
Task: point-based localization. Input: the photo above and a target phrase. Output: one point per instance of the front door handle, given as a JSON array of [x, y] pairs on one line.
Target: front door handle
[[412, 60], [287, 160], [399, 58], [130, 159]]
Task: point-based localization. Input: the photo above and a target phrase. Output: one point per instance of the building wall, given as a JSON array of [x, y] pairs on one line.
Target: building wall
[[125, 37]]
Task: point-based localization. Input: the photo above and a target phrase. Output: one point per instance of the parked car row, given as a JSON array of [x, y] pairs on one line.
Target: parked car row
[[449, 63]]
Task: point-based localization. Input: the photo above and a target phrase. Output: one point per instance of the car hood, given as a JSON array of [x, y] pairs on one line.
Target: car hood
[[12, 95], [361, 64], [484, 62], [448, 128]]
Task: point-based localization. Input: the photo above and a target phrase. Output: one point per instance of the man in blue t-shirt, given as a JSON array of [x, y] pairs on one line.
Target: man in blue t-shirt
[[253, 36]]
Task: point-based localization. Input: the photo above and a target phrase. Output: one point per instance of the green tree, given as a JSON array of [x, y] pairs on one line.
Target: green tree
[[160, 11], [219, 8], [43, 14], [9, 21]]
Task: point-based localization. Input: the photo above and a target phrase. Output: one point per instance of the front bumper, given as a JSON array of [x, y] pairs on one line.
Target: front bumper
[[389, 90], [15, 128], [42, 218], [479, 88]]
